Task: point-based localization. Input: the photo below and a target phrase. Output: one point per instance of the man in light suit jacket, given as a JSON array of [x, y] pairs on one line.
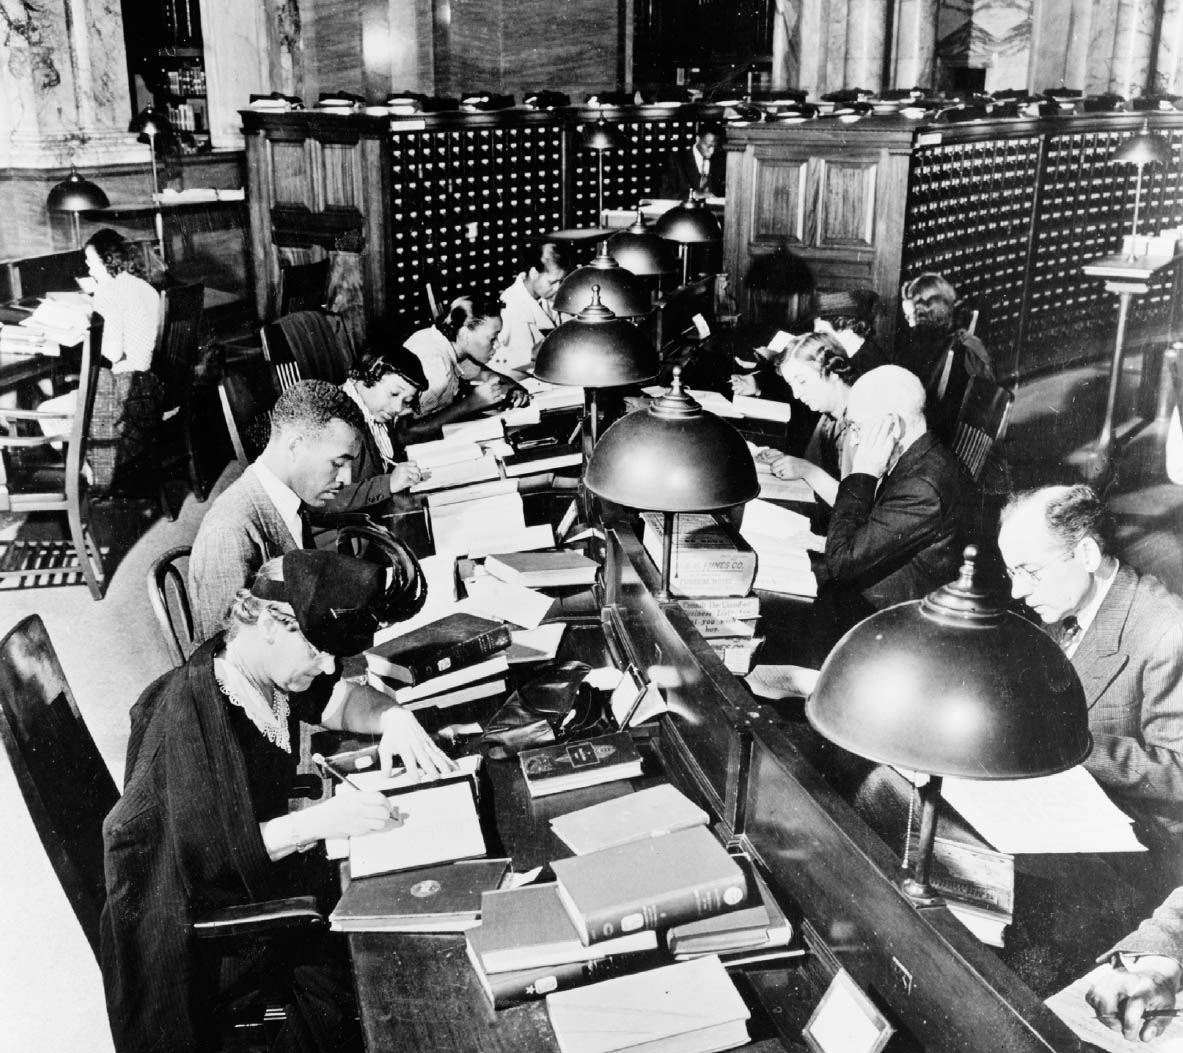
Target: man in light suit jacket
[[315, 441], [1123, 632]]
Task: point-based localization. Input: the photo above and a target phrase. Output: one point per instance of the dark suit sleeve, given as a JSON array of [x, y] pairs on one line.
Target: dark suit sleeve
[[1150, 767], [673, 182], [865, 533]]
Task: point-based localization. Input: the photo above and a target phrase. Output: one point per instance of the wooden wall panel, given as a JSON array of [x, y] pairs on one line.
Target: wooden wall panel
[[290, 183], [780, 198], [846, 203]]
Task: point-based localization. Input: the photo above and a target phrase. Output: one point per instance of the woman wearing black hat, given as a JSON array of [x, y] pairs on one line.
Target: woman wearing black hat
[[204, 822], [386, 389]]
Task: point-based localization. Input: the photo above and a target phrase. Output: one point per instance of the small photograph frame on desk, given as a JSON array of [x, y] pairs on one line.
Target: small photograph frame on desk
[[845, 1020]]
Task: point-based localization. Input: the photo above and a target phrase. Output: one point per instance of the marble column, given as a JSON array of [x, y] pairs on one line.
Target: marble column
[[786, 44], [63, 78], [238, 49], [1168, 66], [866, 43], [1133, 45], [1061, 44], [913, 60]]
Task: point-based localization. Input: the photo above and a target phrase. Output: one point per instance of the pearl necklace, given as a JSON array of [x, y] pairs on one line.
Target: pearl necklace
[[270, 718]]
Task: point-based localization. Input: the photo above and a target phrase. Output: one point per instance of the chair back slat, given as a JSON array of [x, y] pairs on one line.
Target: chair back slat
[[61, 774], [985, 410], [308, 345], [182, 307]]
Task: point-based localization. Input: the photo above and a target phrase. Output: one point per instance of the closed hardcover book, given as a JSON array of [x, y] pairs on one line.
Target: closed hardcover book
[[762, 925], [529, 985], [568, 766], [688, 1007], [457, 696], [439, 686], [651, 812], [542, 569], [723, 608], [650, 884], [528, 927], [442, 646], [443, 898]]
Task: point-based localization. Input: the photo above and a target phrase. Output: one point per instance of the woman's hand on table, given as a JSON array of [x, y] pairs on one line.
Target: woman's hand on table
[[786, 466], [744, 384], [403, 735], [406, 475]]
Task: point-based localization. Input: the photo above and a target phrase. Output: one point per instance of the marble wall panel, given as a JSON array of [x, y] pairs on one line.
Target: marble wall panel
[[866, 41], [1168, 76], [1133, 47], [915, 43], [237, 63]]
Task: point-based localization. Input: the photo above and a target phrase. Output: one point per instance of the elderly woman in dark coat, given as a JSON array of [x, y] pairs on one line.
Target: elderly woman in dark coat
[[204, 820]]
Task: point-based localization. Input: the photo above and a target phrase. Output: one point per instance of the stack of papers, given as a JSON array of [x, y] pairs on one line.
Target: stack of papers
[[1068, 812], [20, 340], [782, 541], [59, 323]]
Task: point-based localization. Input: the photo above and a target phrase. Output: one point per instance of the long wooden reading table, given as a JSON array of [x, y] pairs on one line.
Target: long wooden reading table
[[766, 781]]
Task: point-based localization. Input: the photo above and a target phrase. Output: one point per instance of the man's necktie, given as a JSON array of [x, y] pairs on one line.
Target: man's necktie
[[1069, 631], [307, 538]]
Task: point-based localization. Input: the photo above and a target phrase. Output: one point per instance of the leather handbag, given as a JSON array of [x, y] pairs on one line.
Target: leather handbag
[[556, 706]]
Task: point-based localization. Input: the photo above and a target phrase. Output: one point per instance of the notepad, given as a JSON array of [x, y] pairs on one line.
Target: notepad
[[441, 824]]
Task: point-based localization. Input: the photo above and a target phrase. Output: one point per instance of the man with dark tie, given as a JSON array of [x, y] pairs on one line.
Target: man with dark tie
[[315, 441], [1123, 633], [701, 169]]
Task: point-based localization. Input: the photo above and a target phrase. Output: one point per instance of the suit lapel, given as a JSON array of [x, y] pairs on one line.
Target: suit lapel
[[270, 518], [1100, 656]]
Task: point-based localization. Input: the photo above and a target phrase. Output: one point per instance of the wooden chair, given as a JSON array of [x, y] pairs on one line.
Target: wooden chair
[[169, 596], [981, 422], [303, 286], [69, 791], [247, 391], [173, 362], [308, 345], [34, 478]]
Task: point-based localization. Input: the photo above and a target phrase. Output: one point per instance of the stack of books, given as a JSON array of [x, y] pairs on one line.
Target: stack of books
[[715, 568], [605, 913], [526, 947], [455, 659], [21, 340], [541, 570]]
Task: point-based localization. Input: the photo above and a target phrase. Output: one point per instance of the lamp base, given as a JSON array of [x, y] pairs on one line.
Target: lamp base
[[921, 894]]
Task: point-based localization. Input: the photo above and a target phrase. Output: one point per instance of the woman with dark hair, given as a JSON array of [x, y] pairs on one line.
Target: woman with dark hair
[[128, 395], [816, 368], [454, 354], [204, 821], [386, 388], [526, 311]]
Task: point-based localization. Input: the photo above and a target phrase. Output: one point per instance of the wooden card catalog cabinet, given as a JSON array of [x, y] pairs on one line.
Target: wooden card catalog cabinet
[[318, 185], [832, 194]]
